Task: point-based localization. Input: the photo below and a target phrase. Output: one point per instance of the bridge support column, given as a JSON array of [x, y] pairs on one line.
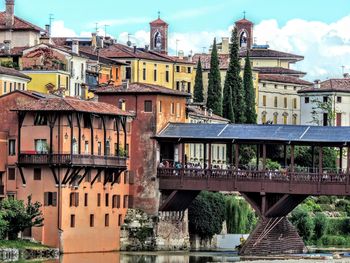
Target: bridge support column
[[274, 234]]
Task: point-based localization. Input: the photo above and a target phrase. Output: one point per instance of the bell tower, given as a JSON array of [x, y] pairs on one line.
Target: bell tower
[[245, 33], [159, 35]]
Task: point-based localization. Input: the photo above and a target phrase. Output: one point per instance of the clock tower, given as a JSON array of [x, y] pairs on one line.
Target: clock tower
[[159, 36]]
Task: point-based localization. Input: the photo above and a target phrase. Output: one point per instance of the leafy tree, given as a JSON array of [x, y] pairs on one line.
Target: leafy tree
[[20, 216], [3, 226], [303, 156], [198, 84], [250, 112], [206, 214], [233, 81], [214, 100], [320, 225], [302, 220], [321, 107]]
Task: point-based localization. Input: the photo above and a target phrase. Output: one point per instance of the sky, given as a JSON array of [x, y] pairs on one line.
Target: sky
[[319, 30]]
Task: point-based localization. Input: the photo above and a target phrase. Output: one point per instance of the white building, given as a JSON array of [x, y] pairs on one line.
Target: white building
[[327, 103]]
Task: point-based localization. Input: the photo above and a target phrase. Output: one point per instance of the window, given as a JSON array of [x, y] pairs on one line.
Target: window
[[5, 87], [276, 86], [177, 85], [86, 121], [167, 76], [285, 86], [75, 146], [72, 220], [121, 104], [264, 85], [294, 119], [12, 174], [178, 110], [177, 68], [120, 220], [86, 147], [285, 103], [37, 174], [339, 99], [338, 118], [275, 103], [99, 148], [189, 70], [107, 200], [160, 106], [325, 119], [41, 145], [285, 119], [59, 81], [10, 86], [144, 74], [263, 119], [98, 199], [92, 220], [50, 199], [325, 99], [264, 100], [306, 100], [85, 199], [274, 118], [155, 75], [108, 148], [116, 201], [106, 219], [82, 71], [74, 199], [148, 106], [12, 147], [125, 201], [218, 152], [40, 119], [172, 108], [295, 105], [188, 87], [14, 85]]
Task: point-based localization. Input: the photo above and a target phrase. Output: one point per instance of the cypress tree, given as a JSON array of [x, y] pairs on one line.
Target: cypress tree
[[233, 81], [248, 85], [214, 100], [198, 84]]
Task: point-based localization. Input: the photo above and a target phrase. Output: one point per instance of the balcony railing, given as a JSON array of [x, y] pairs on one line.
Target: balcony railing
[[74, 159]]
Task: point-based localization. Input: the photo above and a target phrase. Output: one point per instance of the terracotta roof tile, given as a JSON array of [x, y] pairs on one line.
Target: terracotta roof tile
[[13, 72], [283, 79], [224, 60], [15, 51], [243, 21], [330, 85], [19, 24], [269, 53], [140, 88], [279, 70], [68, 104], [158, 22], [201, 113]]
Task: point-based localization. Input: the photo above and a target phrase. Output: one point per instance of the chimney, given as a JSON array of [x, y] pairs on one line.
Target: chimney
[[181, 54], [48, 30], [10, 13], [75, 46], [189, 58], [93, 40], [135, 48], [346, 75], [225, 47], [146, 48], [125, 84], [317, 84], [7, 46]]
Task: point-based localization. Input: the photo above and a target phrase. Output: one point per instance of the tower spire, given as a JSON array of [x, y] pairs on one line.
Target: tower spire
[[158, 14], [244, 12]]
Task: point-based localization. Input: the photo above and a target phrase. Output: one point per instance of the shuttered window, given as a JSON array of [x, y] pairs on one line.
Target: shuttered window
[[50, 199], [74, 199]]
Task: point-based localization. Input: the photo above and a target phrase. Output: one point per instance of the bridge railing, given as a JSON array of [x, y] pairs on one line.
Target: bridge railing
[[253, 175]]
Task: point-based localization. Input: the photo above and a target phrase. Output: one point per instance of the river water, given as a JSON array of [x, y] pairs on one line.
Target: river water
[[168, 257]]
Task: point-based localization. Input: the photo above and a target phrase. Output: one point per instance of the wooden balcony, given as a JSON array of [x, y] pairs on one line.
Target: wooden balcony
[[71, 160]]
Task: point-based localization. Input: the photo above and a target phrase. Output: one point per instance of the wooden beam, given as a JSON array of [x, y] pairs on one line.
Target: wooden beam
[[97, 175], [236, 156], [264, 157], [118, 173], [104, 135], [117, 121], [84, 175], [22, 175], [79, 132], [72, 178], [313, 158], [204, 156], [54, 174], [21, 115], [109, 175], [66, 175], [292, 158], [209, 157], [341, 158]]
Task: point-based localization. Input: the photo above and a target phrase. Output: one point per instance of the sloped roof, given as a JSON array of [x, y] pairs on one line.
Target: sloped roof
[[243, 21], [15, 51], [279, 70], [19, 24], [158, 22], [330, 85], [91, 53], [13, 72], [283, 79], [69, 104], [199, 112], [140, 88], [269, 53], [224, 60]]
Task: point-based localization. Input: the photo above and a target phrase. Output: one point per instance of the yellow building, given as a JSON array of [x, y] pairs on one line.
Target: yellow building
[[11, 80], [49, 81]]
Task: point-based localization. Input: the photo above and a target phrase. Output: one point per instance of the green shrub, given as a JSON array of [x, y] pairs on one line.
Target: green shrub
[[302, 220], [320, 223], [329, 240]]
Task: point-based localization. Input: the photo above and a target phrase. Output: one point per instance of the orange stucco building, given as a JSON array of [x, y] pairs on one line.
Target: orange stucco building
[[72, 156], [154, 107]]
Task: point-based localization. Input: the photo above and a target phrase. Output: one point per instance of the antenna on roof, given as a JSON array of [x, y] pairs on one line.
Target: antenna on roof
[[51, 18], [106, 29], [129, 42], [96, 28], [342, 69], [244, 12], [158, 14]]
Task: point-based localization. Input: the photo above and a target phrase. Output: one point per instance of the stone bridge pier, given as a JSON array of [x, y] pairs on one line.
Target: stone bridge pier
[[273, 234]]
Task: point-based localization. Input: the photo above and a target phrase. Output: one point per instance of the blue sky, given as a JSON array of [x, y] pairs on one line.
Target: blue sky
[[316, 29]]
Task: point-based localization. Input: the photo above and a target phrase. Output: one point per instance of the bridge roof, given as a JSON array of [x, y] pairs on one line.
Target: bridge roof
[[296, 134]]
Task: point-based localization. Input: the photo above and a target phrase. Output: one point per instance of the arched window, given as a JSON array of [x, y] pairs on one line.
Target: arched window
[[275, 115], [121, 104], [243, 39], [285, 118], [158, 40], [75, 146], [108, 148]]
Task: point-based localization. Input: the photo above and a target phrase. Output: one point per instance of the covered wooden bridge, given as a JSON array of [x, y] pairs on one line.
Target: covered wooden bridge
[[272, 193]]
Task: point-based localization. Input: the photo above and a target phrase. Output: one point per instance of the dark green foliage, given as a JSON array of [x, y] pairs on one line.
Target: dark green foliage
[[303, 157], [246, 154], [227, 107], [320, 225], [206, 214], [249, 91], [233, 81], [20, 216], [339, 241], [303, 222], [198, 84], [240, 217], [9, 64], [214, 100]]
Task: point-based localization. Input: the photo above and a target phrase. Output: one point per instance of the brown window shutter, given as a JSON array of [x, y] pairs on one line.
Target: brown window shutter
[[54, 199], [71, 201], [131, 201], [118, 201], [76, 199], [46, 199]]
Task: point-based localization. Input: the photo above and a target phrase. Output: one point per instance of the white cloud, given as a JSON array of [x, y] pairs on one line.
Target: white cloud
[[326, 47]]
